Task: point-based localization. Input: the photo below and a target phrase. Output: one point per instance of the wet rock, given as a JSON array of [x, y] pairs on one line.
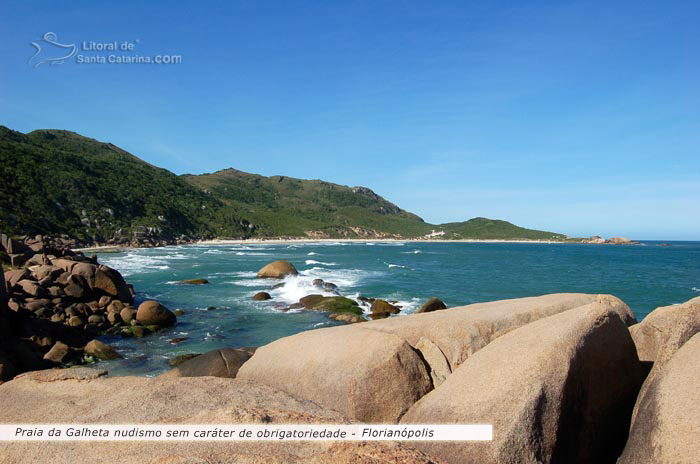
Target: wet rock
[[261, 296], [382, 306], [195, 281], [347, 317], [100, 350], [277, 270], [154, 313], [433, 304]]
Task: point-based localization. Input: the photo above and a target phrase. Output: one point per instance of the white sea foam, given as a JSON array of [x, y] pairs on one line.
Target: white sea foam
[[390, 265], [136, 262], [311, 262], [414, 252], [250, 283], [237, 273], [311, 253], [696, 289], [249, 253]]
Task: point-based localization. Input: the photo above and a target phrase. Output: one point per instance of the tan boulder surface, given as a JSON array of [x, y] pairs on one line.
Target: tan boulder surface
[[154, 313], [79, 397], [661, 334], [224, 362], [375, 371], [364, 374], [559, 390], [667, 425], [459, 332], [277, 270], [665, 330]]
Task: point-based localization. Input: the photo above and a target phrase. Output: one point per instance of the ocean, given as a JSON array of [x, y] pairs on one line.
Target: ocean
[[645, 277]]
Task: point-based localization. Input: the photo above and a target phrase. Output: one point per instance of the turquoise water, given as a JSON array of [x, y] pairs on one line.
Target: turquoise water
[[645, 277]]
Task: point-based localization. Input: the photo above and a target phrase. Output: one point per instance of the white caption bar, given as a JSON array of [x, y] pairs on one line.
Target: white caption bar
[[244, 432]]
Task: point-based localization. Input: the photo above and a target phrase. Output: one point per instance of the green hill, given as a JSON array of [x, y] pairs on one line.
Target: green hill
[[483, 228], [284, 206], [60, 182]]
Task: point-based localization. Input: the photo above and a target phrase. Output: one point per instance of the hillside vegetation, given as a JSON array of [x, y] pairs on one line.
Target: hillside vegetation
[[284, 206], [60, 182], [64, 183]]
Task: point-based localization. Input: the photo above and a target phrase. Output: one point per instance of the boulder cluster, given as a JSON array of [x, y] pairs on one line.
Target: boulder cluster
[[562, 378], [338, 307], [55, 301]]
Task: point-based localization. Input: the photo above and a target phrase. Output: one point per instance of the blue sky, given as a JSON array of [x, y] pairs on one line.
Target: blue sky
[[578, 117]]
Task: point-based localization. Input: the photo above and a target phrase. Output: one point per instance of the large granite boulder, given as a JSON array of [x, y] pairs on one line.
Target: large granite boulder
[[559, 389], [112, 283], [277, 270], [459, 332], [364, 374], [666, 427], [224, 362], [154, 313], [77, 396], [665, 330], [660, 335], [376, 370]]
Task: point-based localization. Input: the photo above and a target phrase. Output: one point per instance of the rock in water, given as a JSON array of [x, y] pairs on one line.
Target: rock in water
[[277, 270], [154, 313], [381, 306], [559, 389], [347, 317], [195, 281], [666, 427], [433, 304], [261, 296], [224, 362], [57, 353], [101, 350]]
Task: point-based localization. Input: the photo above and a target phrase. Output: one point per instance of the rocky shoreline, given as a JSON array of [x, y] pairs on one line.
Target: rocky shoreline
[[56, 301], [562, 377]]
